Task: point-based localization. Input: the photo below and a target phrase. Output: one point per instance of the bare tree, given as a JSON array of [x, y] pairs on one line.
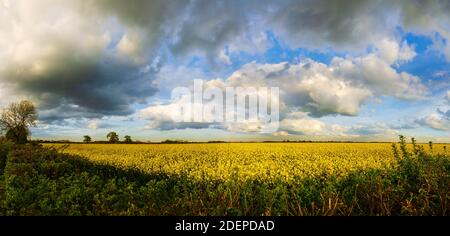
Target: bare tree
[[16, 119]]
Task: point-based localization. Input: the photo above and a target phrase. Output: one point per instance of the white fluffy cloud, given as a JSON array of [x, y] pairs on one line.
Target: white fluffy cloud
[[339, 88], [302, 126], [309, 85], [159, 115], [93, 125], [300, 123], [313, 88], [436, 121], [165, 116], [439, 119], [392, 52], [381, 77]]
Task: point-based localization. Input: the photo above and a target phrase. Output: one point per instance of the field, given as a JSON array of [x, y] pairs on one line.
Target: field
[[285, 162], [249, 161], [227, 179]]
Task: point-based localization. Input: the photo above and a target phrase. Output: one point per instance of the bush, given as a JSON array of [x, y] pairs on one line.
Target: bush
[[5, 147]]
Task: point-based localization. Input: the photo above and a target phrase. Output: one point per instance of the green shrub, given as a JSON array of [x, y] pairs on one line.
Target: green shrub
[[5, 147]]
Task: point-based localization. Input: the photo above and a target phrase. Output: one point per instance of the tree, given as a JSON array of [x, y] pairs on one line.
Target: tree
[[16, 120], [113, 137], [87, 139], [127, 139]]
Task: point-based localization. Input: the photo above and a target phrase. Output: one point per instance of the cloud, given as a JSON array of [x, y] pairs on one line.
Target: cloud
[[447, 97], [170, 77], [316, 89], [308, 85], [62, 62], [205, 27], [339, 88], [165, 116], [224, 57], [321, 24], [445, 114], [98, 124], [356, 24], [195, 27], [209, 26], [326, 95], [392, 52], [368, 130], [382, 79], [93, 125], [280, 134], [90, 59], [302, 125], [364, 130], [131, 45], [404, 126], [247, 126], [339, 128], [438, 120]]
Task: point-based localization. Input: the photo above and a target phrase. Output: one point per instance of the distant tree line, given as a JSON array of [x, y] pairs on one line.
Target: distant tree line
[[112, 137]]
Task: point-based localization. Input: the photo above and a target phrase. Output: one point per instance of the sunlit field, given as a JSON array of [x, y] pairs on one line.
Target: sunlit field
[[263, 161], [249, 161], [225, 179]]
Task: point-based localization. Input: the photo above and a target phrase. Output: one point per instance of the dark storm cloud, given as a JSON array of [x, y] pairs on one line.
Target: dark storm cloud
[[424, 15], [76, 88], [356, 23], [205, 25], [315, 23], [77, 70], [69, 66], [155, 18], [210, 25], [185, 26], [63, 54]]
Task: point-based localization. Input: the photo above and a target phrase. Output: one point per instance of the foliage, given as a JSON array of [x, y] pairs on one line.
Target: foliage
[[87, 139], [5, 147], [174, 141], [113, 137], [16, 119], [127, 139]]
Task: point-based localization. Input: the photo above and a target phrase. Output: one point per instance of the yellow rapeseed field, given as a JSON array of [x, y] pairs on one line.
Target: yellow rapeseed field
[[244, 179], [263, 161]]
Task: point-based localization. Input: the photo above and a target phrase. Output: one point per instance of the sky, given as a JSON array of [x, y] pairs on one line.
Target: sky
[[357, 70]]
